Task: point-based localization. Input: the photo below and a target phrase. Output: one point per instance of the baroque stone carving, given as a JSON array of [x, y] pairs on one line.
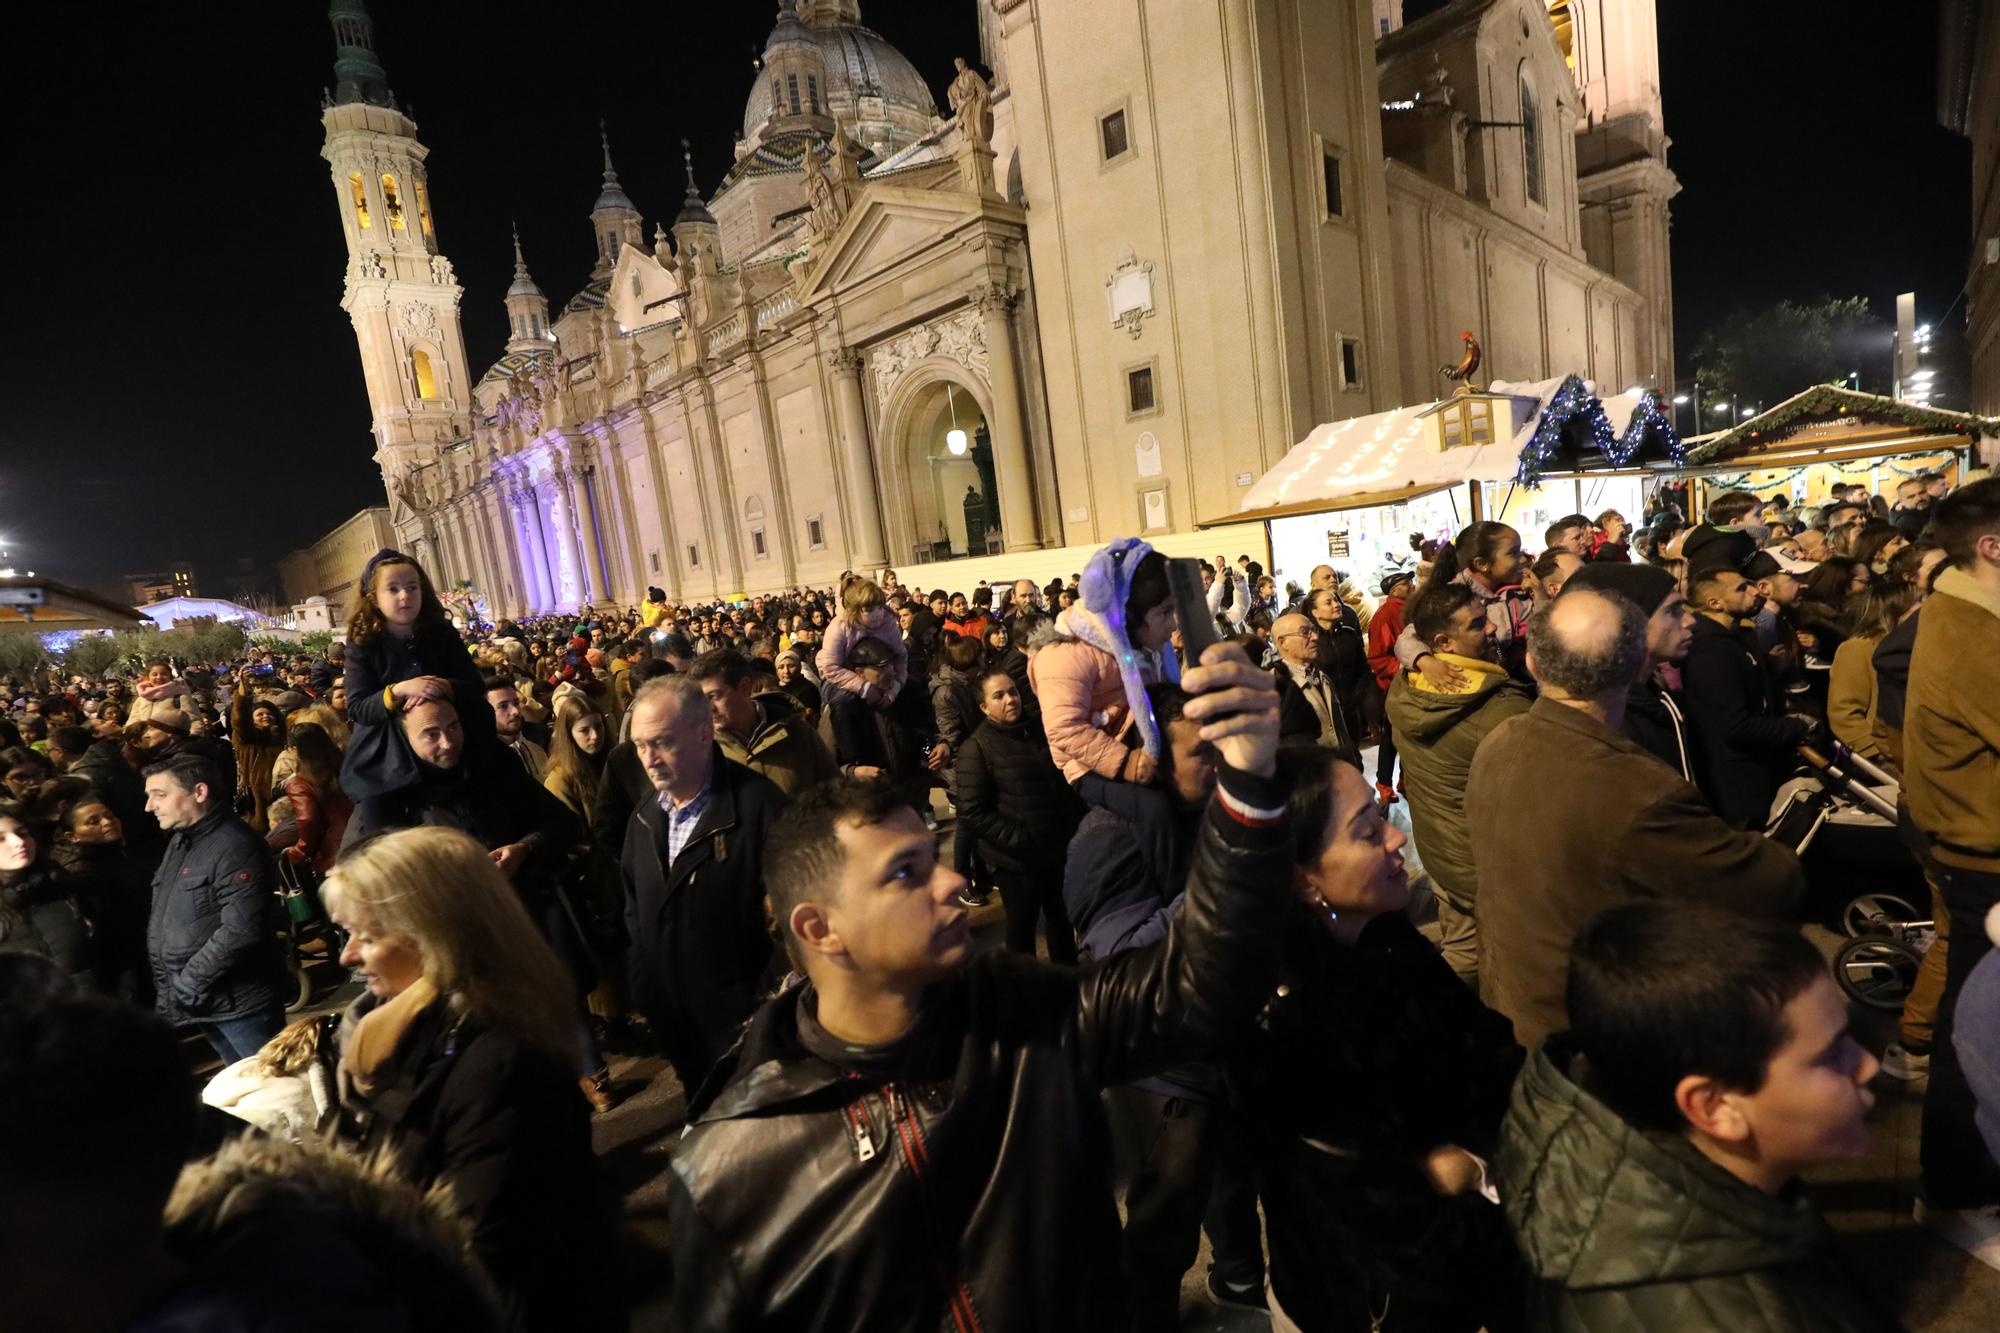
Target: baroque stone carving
[[1129, 291], [959, 335], [419, 320]]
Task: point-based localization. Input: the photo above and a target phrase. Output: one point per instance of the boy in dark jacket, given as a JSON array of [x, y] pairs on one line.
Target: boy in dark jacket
[[1648, 1164]]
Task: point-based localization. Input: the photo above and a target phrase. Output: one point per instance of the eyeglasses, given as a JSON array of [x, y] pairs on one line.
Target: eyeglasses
[[1301, 634]]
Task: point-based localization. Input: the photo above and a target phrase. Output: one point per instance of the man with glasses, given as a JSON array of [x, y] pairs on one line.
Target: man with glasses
[[1308, 705]]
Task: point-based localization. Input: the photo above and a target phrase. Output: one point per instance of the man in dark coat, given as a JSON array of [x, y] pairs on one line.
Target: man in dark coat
[[1123, 886], [976, 1075], [693, 872], [1747, 744], [1647, 835], [212, 939]]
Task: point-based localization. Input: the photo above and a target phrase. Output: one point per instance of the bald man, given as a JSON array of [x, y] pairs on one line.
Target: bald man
[[1642, 832]]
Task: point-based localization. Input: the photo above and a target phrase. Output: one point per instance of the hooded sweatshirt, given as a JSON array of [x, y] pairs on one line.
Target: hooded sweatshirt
[[1091, 682], [1628, 1230], [1437, 734]]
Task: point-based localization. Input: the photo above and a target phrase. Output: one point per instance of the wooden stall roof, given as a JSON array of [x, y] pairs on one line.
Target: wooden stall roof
[[1829, 423]]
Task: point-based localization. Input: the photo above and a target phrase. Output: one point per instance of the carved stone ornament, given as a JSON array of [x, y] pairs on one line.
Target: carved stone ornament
[[959, 335], [369, 265], [419, 320], [1129, 291]]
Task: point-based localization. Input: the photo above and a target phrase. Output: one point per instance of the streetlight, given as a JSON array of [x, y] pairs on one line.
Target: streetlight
[[1749, 412], [1680, 400]]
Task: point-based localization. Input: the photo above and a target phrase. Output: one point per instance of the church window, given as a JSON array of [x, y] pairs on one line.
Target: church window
[[1112, 132], [694, 556], [1334, 202], [758, 546], [815, 533], [392, 202], [1139, 392], [611, 246], [812, 93], [424, 209], [654, 557], [792, 88], [420, 368], [1565, 26], [636, 291], [360, 192], [1350, 363], [1531, 144]]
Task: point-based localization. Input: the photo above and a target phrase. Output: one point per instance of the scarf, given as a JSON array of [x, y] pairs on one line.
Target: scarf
[[378, 1034]]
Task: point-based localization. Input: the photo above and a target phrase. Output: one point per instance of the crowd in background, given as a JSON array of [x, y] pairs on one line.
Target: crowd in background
[[711, 832]]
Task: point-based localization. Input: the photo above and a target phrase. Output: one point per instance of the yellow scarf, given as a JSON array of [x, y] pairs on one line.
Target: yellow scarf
[[1475, 669], [377, 1035]]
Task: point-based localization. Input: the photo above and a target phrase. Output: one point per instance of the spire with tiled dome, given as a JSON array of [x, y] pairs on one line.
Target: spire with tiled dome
[[864, 83], [614, 219], [527, 308]]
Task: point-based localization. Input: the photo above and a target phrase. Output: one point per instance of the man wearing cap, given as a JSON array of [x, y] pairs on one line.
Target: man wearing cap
[[1747, 741]]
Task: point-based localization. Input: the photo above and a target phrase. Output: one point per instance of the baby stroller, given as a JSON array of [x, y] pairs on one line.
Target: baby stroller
[[310, 934], [1851, 800]]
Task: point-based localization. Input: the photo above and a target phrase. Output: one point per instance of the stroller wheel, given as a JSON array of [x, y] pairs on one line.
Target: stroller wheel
[[1873, 914], [1876, 972]]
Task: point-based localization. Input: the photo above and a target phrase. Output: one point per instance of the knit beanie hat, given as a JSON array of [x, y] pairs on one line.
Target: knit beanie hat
[[1645, 585]]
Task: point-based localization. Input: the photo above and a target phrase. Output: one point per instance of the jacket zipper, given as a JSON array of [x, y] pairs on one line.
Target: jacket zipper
[[903, 1116]]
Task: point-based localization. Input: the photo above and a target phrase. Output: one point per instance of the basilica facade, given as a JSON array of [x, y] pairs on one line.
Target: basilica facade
[[1139, 253]]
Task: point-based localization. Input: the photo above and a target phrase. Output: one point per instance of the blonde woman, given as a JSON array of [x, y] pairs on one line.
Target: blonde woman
[[457, 1067], [325, 718], [579, 742]]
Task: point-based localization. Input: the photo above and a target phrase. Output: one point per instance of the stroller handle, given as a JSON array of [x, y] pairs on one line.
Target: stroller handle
[[1848, 783]]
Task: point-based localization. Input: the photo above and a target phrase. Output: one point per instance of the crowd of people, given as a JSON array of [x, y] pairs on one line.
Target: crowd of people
[[712, 833]]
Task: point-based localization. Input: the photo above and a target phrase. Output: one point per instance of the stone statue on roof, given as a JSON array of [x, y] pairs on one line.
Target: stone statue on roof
[[971, 99]]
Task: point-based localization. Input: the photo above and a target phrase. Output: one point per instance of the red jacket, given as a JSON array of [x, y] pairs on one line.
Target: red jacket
[[1383, 631]]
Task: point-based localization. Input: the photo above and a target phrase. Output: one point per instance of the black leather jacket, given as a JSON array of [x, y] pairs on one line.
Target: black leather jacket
[[971, 1188]]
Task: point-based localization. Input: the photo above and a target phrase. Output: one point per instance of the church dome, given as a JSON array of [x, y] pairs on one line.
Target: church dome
[[860, 64]]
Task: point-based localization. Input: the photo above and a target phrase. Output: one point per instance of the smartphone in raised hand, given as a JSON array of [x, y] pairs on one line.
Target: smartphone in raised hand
[[1197, 625]]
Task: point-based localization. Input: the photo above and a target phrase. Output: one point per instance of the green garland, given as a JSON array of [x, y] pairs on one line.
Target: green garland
[[1832, 400]]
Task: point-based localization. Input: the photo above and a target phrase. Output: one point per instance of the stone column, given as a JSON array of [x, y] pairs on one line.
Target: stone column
[[865, 546], [494, 507], [566, 537], [1010, 430], [536, 549], [593, 552]]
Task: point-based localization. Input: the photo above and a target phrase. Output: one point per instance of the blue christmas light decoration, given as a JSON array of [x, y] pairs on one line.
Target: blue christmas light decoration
[[1648, 422], [1571, 400]]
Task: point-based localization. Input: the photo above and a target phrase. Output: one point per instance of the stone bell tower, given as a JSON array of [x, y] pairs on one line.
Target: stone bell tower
[[400, 292]]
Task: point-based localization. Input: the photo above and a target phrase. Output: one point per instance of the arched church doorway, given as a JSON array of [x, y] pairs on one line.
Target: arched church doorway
[[951, 499]]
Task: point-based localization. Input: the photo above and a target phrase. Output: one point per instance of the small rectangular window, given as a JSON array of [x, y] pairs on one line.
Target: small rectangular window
[[1350, 363], [1111, 129], [654, 556], [1139, 390], [694, 556], [815, 534], [757, 545], [1330, 169], [792, 87]]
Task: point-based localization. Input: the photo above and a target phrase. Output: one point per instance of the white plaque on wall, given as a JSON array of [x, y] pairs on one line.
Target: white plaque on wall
[[1147, 454]]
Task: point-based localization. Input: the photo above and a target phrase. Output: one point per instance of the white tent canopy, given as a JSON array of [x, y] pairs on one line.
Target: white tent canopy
[[1391, 456], [166, 614]]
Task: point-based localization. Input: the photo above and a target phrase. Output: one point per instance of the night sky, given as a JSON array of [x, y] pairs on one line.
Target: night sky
[[187, 387]]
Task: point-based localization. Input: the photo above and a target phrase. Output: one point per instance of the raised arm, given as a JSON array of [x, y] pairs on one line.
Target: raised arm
[[1139, 1011]]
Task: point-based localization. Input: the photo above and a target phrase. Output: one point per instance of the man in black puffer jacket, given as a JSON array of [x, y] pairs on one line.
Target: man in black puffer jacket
[[213, 936], [1013, 803], [913, 1138]]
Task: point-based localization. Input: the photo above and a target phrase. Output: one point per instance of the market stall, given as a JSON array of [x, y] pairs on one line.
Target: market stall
[[1830, 434], [1352, 492]]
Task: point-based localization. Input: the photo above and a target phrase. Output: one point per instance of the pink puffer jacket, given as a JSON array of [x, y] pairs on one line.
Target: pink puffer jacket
[[1084, 709], [841, 636]]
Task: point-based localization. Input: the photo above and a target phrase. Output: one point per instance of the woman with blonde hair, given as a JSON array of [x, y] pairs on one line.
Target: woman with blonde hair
[[456, 1068], [579, 743], [325, 718]]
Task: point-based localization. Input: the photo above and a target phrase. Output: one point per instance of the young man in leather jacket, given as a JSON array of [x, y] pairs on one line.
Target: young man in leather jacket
[[914, 1137]]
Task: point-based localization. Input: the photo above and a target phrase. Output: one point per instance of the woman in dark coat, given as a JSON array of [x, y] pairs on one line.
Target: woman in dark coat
[[457, 1064], [1371, 1091], [401, 647], [116, 892], [39, 912]]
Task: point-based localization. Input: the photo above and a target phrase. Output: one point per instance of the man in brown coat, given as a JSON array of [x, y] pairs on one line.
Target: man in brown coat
[[1635, 829]]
